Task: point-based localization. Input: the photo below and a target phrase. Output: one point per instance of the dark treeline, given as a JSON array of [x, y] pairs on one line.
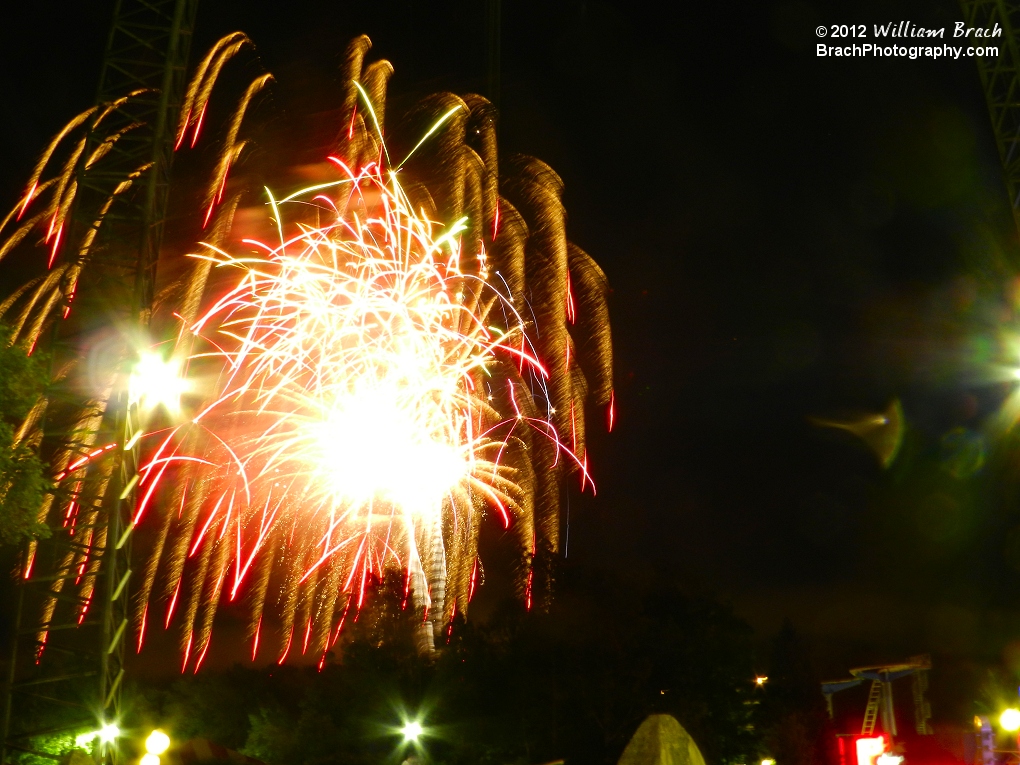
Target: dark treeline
[[572, 682]]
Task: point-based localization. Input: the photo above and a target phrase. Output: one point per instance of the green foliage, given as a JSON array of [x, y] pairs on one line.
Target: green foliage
[[33, 713], [25, 485], [22, 378], [23, 481], [56, 744]]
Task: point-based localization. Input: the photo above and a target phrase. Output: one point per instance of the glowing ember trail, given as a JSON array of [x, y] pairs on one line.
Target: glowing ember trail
[[409, 357], [350, 421]]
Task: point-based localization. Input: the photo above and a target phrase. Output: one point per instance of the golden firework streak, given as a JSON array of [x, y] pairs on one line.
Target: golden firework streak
[[353, 398], [350, 429]]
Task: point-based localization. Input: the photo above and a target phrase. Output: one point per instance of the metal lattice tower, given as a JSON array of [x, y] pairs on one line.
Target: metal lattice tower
[[76, 681], [1000, 78]]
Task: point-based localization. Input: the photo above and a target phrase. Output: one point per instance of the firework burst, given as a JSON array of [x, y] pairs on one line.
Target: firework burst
[[412, 353], [352, 430]]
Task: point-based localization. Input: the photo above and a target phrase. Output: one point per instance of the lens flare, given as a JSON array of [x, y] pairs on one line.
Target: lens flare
[[412, 731]]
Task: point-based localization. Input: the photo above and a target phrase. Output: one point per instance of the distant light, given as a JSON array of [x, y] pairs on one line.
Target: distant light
[[158, 742], [412, 731], [768, 761], [887, 758], [149, 759], [1009, 720], [108, 733], [760, 680]]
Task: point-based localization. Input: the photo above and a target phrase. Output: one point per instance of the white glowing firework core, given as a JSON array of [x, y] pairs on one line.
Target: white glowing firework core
[[373, 445], [353, 369], [351, 377]]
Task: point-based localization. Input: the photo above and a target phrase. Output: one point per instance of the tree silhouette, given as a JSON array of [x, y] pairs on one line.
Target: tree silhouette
[[795, 725]]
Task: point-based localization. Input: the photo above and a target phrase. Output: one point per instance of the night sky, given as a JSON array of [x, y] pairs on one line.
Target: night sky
[[786, 236]]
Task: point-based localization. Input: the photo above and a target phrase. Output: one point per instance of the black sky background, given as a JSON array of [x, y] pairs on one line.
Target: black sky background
[[786, 236]]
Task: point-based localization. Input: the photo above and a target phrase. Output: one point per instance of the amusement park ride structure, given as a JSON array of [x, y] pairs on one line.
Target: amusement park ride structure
[[867, 747], [1000, 81], [880, 695]]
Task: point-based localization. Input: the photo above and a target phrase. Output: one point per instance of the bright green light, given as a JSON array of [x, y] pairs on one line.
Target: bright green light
[[105, 734], [412, 731], [108, 733]]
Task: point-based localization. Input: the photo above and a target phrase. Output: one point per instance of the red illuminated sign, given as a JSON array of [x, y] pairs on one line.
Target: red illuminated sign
[[869, 749]]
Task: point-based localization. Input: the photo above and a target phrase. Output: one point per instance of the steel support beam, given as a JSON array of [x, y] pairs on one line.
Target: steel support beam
[[68, 640], [1000, 79]]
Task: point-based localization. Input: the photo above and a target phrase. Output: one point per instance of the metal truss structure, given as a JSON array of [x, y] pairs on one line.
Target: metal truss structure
[[66, 667], [880, 694], [1000, 78]]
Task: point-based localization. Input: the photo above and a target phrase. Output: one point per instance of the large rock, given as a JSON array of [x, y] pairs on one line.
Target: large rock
[[661, 740]]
